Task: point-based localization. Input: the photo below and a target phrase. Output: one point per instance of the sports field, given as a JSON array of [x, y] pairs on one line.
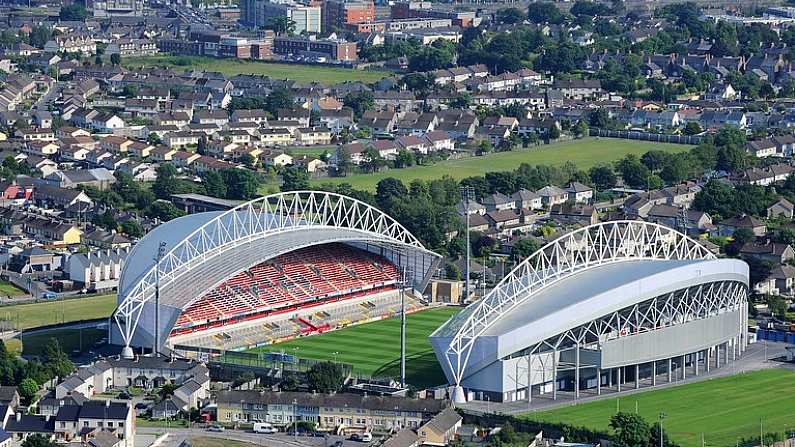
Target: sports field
[[724, 410], [232, 67], [26, 316], [374, 348], [585, 153]]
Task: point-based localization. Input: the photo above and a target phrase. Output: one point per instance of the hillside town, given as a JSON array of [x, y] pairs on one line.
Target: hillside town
[[487, 130]]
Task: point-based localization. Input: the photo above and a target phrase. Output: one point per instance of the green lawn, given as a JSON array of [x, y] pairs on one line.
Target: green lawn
[[232, 67], [7, 289], [585, 153], [374, 348], [724, 410], [314, 151], [71, 340], [204, 441], [27, 316]]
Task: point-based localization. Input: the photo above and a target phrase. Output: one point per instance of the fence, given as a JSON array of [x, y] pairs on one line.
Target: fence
[[251, 360], [780, 336], [646, 136]]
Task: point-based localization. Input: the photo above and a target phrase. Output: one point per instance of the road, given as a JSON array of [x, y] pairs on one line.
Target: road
[[177, 435], [754, 358]]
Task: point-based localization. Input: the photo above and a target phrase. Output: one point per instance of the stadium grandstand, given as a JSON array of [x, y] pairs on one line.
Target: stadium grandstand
[[277, 267], [611, 304]]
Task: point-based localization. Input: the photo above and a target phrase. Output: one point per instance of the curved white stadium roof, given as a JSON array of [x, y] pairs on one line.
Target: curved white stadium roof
[[575, 279], [202, 250]]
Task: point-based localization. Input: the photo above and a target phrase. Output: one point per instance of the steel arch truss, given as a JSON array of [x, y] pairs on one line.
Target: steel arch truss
[[577, 251], [679, 307], [259, 218]]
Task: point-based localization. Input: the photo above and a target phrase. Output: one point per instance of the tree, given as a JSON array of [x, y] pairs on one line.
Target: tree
[[509, 16], [295, 179], [325, 377], [692, 128], [451, 271], [279, 98], [404, 159], [241, 184], [581, 129], [544, 12], [38, 440], [523, 248], [731, 158], [430, 58], [359, 102], [56, 360], [132, 228], [630, 430], [484, 147], [634, 173], [27, 390], [168, 390], [74, 12], [554, 133], [115, 59], [39, 36], [602, 177], [214, 184], [164, 211], [507, 433], [778, 307], [281, 25], [654, 438]]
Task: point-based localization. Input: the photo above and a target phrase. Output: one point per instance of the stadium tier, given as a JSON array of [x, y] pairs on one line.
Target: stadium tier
[[599, 307], [280, 265], [296, 280]]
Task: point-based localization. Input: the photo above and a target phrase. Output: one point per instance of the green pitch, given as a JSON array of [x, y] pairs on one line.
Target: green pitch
[[374, 348], [233, 67], [585, 153], [724, 410]]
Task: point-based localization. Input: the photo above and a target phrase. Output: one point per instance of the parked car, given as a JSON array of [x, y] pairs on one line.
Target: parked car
[[216, 428], [362, 437], [264, 428]]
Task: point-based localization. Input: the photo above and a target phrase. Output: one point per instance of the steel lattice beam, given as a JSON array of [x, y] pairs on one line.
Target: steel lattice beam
[[574, 252]]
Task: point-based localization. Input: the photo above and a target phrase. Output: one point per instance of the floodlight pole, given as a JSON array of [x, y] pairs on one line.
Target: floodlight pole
[[161, 250], [403, 282], [467, 192]]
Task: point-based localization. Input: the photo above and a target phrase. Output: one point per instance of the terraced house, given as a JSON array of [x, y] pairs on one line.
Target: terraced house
[[327, 410]]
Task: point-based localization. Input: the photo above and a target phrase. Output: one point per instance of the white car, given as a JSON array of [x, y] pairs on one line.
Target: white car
[[362, 437], [216, 428], [265, 428]]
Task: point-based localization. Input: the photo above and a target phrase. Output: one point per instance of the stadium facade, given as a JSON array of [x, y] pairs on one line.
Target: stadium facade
[[605, 305], [288, 260]]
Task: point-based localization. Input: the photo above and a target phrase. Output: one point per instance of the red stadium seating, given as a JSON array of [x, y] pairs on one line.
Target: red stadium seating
[[300, 279]]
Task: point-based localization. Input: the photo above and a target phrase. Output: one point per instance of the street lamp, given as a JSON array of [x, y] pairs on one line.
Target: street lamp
[[662, 416], [467, 194]]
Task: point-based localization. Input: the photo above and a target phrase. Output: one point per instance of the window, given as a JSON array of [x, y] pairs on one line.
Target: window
[[85, 423], [110, 424]]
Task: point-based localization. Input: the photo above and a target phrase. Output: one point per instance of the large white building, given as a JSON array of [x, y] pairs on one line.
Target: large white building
[[606, 305]]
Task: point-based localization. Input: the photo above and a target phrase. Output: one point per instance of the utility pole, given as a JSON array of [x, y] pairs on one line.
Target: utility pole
[[662, 416], [404, 280], [161, 250], [467, 193]]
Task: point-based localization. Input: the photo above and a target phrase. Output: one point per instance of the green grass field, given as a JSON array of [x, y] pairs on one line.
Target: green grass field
[[232, 67], [585, 153], [70, 340], [27, 316], [9, 290], [374, 348], [724, 409]]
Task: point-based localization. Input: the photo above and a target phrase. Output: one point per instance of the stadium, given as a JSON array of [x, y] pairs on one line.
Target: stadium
[[607, 305], [279, 266]]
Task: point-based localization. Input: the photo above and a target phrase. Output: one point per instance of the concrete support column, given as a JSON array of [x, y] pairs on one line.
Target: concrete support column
[[610, 377], [637, 376], [554, 374], [670, 370], [684, 369], [598, 381], [618, 377], [707, 360], [695, 362], [654, 373], [717, 356], [726, 353], [577, 371]]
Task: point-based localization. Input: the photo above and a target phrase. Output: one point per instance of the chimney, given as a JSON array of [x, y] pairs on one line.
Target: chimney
[[107, 403], [19, 416], [47, 418]]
